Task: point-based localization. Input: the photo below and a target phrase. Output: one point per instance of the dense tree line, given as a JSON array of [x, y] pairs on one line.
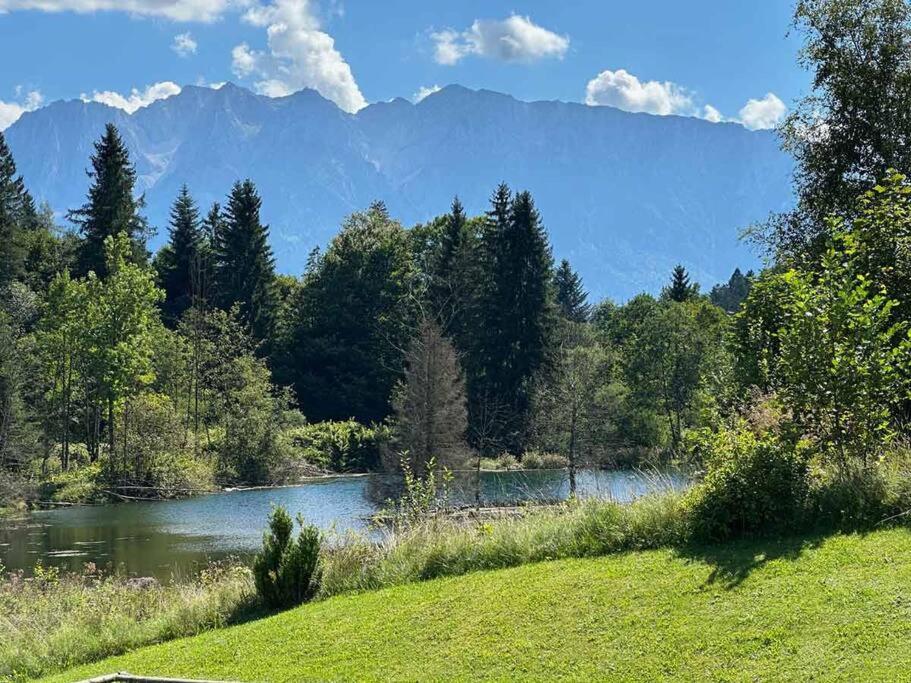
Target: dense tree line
[[461, 338]]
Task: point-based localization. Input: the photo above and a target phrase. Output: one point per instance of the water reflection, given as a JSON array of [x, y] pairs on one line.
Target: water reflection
[[163, 538]]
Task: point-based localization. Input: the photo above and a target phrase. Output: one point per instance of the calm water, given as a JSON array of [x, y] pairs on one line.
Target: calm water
[[164, 538]]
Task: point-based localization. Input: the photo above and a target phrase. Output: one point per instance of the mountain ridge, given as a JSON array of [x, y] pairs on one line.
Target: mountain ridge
[[624, 196]]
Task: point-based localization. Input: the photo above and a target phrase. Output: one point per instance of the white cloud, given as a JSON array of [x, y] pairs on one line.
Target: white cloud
[[709, 113], [623, 90], [763, 114], [514, 39], [11, 111], [176, 10], [136, 99], [300, 55], [184, 44], [425, 92]]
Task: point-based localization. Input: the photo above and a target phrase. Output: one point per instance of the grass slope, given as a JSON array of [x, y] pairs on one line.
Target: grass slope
[[829, 609]]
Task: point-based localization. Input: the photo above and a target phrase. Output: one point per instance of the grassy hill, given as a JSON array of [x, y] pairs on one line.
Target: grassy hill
[[837, 608]]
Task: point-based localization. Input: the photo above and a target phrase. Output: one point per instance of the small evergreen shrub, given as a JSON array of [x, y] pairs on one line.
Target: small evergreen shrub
[[752, 485], [286, 571]]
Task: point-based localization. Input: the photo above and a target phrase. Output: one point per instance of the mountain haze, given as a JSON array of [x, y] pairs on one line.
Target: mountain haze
[[624, 196]]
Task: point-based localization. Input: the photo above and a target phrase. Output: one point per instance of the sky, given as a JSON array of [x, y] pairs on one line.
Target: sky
[[722, 60]]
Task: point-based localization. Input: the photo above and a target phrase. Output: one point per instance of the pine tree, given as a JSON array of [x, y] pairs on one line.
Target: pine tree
[[110, 208], [680, 289], [570, 294], [515, 310], [12, 203], [447, 288], [179, 262], [244, 265]]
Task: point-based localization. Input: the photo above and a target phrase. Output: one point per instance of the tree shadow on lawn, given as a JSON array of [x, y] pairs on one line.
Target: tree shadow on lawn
[[733, 562]]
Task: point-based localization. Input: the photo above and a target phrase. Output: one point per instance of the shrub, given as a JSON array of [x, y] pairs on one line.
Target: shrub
[[286, 572], [542, 460], [340, 446], [752, 485]]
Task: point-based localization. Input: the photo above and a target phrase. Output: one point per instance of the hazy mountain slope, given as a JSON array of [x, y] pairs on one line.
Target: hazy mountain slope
[[624, 196]]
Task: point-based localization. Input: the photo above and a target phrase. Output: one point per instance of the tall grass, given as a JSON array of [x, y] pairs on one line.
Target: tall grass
[[442, 546], [54, 622]]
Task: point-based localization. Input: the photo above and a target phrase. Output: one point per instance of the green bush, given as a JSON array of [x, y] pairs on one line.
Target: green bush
[[752, 485], [860, 497], [339, 446], [542, 460], [286, 572]]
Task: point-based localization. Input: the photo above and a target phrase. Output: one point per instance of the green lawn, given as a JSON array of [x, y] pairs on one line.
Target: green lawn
[[832, 609]]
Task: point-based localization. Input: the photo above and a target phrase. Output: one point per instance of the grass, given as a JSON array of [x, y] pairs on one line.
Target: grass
[[52, 622], [802, 609]]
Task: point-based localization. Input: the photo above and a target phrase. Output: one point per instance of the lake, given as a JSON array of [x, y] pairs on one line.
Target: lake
[[165, 538]]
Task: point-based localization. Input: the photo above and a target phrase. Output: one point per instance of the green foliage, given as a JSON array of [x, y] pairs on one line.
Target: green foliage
[[353, 321], [244, 264], [680, 288], [673, 358], [729, 296], [110, 209], [13, 198], [286, 571], [571, 297], [515, 315], [182, 263], [340, 446], [844, 360], [754, 484]]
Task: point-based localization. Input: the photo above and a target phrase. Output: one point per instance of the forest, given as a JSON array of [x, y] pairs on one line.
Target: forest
[[460, 343]]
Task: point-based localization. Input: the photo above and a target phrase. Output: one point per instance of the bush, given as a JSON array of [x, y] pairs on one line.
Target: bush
[[339, 446], [752, 485], [286, 572], [860, 497], [542, 460]]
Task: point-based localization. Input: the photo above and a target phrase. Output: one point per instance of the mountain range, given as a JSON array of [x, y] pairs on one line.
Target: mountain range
[[624, 196]]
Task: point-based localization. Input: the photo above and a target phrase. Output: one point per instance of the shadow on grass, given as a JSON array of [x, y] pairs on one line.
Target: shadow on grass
[[734, 561]]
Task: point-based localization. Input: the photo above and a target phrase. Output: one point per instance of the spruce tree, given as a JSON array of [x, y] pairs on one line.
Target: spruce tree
[[179, 262], [516, 310], [680, 289], [447, 290], [13, 198], [244, 264], [570, 294], [110, 208]]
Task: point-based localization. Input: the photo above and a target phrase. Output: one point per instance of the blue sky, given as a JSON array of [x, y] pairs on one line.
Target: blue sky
[[700, 57]]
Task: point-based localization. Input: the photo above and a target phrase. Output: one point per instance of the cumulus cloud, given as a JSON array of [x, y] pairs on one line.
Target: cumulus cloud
[[184, 44], [425, 92], [514, 39], [763, 114], [300, 55], [625, 91], [25, 101], [136, 99], [176, 10], [709, 113]]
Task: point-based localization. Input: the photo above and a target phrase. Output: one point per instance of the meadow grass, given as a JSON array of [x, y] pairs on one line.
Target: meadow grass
[[837, 608], [51, 622]]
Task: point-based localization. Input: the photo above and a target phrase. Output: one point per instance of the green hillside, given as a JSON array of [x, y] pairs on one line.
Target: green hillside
[[820, 609]]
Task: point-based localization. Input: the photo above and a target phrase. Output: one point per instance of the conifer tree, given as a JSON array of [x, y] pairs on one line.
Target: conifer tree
[[680, 289], [12, 204], [570, 294], [244, 264], [111, 208], [515, 316], [179, 262], [447, 288]]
